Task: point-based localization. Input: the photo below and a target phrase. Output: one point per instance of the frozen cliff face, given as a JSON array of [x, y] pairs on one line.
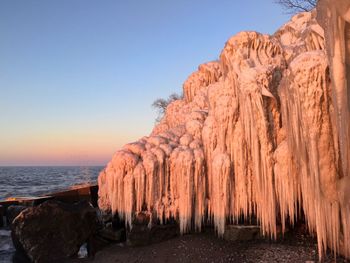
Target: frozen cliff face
[[256, 135], [334, 16]]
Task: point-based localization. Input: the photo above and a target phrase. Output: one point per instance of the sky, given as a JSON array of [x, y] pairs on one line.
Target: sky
[[78, 77]]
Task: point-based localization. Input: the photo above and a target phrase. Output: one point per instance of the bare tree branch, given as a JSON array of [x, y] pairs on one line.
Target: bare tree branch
[[161, 104], [295, 6]]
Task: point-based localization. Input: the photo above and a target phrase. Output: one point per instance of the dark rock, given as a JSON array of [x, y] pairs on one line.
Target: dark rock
[[77, 193], [138, 236], [141, 219], [7, 203], [141, 235], [2, 214], [105, 237], [70, 196], [116, 220], [33, 201], [112, 235], [95, 244], [20, 257], [94, 195], [53, 230], [39, 200], [106, 216], [241, 232], [161, 233], [13, 211], [25, 201]]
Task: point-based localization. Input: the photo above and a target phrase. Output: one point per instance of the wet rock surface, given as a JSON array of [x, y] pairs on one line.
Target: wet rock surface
[[53, 230]]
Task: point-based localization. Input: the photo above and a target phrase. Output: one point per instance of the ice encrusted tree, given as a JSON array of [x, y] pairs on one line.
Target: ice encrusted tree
[[161, 104], [295, 6]]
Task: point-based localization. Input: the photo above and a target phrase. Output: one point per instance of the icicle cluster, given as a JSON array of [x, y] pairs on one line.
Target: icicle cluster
[[253, 136]]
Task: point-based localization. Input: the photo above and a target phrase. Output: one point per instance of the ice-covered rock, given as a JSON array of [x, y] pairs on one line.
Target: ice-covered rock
[[261, 132]]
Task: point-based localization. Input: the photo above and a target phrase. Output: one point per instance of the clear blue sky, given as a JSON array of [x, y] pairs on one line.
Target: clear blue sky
[[77, 77]]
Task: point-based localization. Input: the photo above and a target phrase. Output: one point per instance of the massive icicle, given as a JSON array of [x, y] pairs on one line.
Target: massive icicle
[[258, 134], [335, 18]]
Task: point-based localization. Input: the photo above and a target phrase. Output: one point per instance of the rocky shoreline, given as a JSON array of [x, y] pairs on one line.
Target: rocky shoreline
[[72, 229]]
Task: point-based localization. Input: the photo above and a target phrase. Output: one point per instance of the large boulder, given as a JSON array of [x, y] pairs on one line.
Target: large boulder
[[54, 230]]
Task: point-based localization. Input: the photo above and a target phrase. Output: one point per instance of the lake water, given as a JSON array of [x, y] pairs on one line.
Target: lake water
[[33, 181]]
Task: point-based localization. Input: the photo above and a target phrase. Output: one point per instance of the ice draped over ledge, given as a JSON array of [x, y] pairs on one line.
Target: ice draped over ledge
[[259, 133]]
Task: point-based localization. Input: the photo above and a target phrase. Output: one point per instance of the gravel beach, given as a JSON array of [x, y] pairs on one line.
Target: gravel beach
[[206, 247]]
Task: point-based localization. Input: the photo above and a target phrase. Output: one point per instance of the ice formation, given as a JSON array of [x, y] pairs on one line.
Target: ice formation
[[262, 132]]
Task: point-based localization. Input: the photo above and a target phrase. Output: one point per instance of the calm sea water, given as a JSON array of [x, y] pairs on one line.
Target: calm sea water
[[32, 181]]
